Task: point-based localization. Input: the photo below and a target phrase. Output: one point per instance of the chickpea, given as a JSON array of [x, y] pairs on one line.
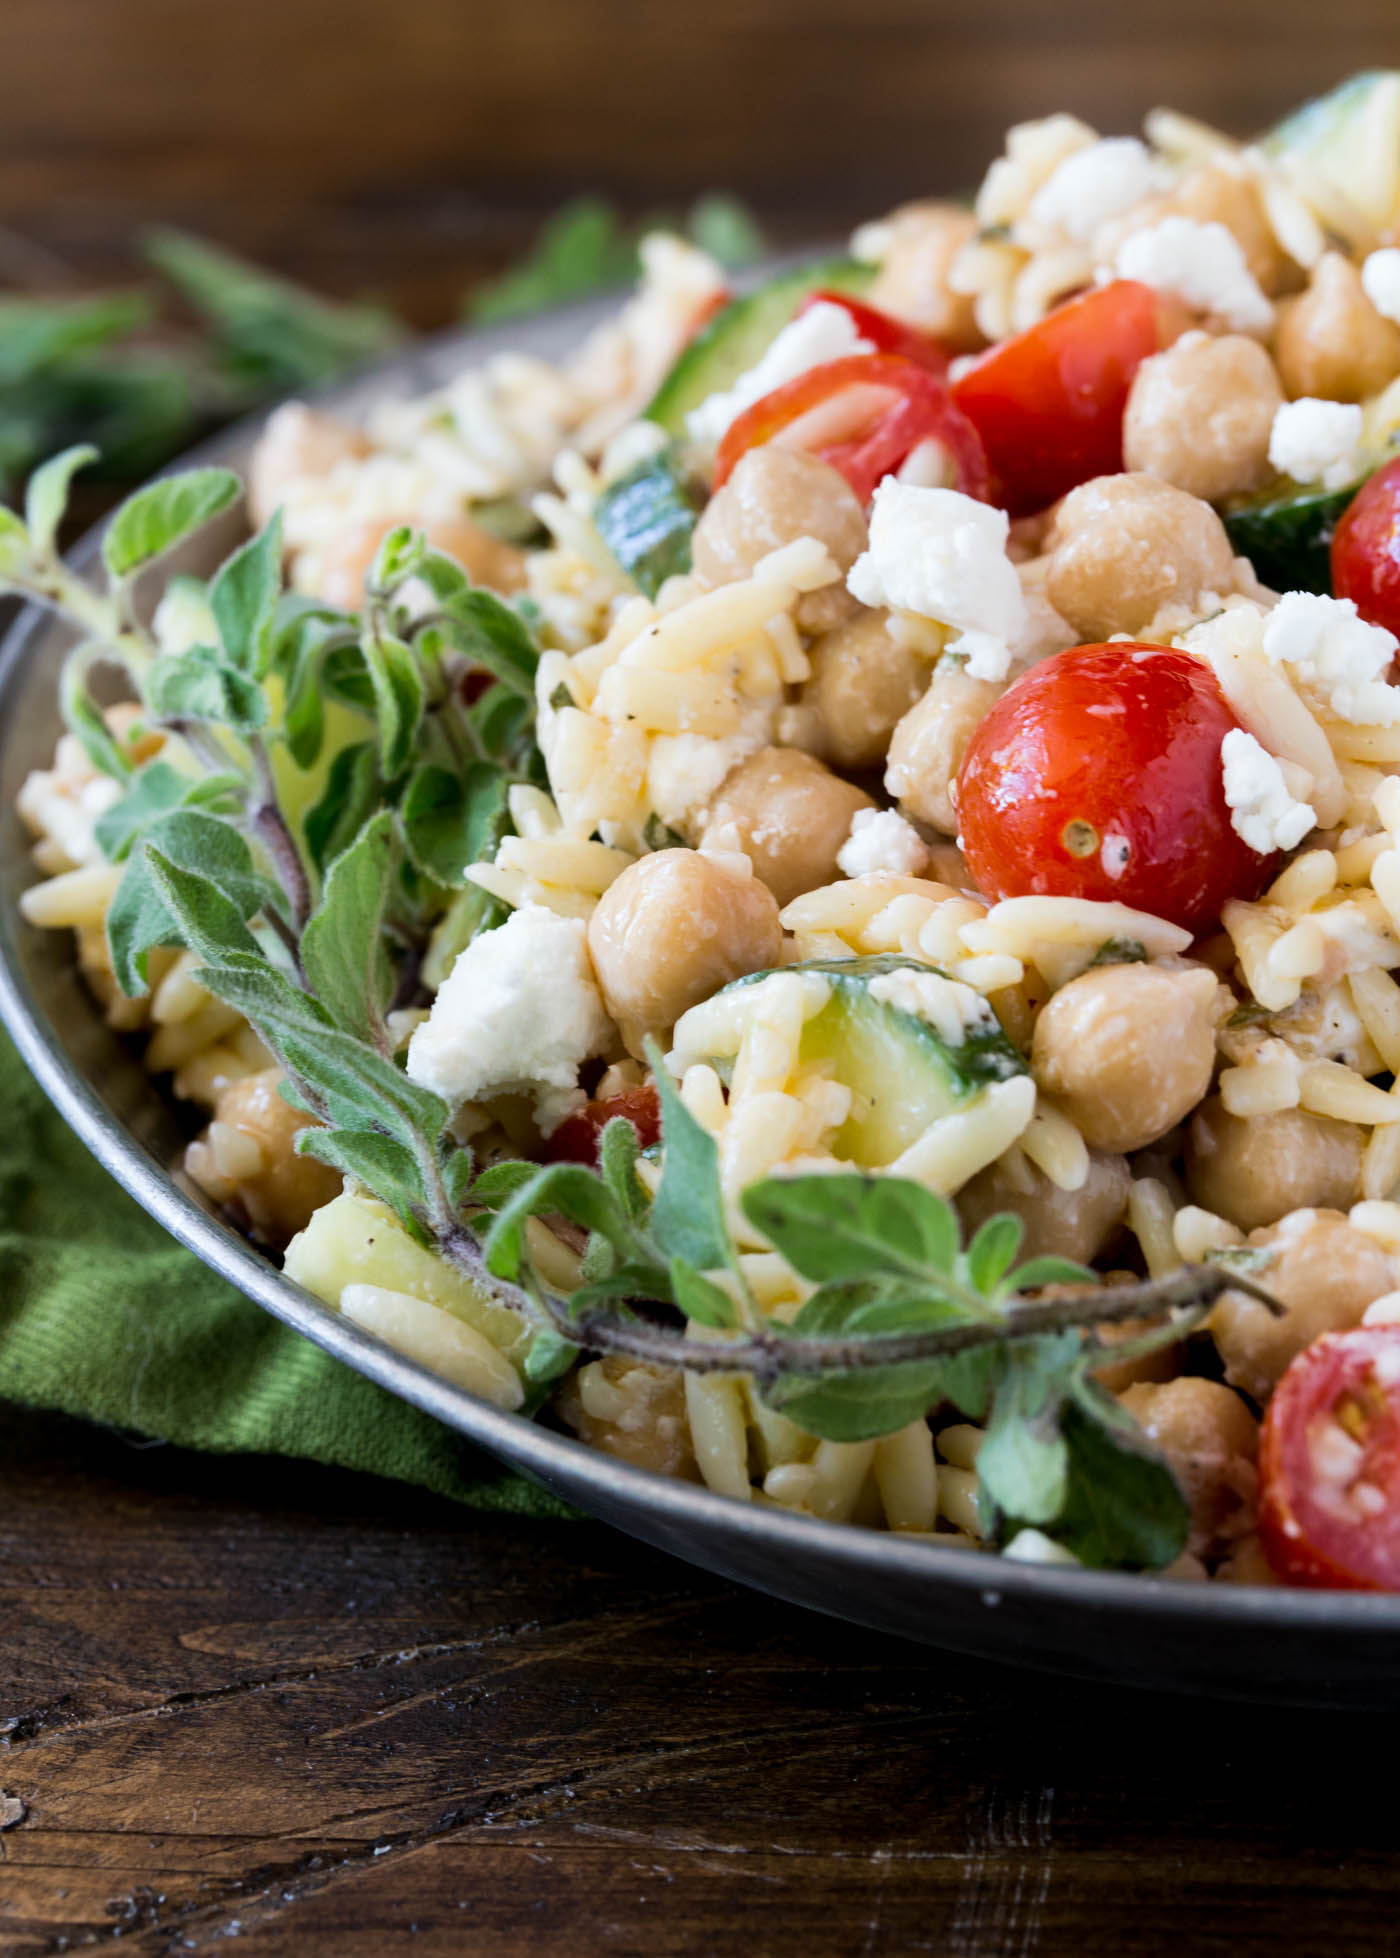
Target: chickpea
[[1126, 546], [1211, 194], [296, 441], [1254, 1169], [1324, 1273], [1058, 1223], [1117, 1375], [913, 279], [1331, 341], [792, 816], [634, 1411], [1127, 1051], [928, 745], [348, 557], [674, 928], [775, 496], [281, 1194], [1211, 1442], [862, 682], [1199, 415]]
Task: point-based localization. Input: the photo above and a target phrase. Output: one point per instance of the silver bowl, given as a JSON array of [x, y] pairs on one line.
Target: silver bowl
[[1264, 1644]]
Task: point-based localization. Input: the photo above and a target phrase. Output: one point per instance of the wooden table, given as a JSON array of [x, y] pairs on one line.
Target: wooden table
[[319, 1713], [325, 1715]]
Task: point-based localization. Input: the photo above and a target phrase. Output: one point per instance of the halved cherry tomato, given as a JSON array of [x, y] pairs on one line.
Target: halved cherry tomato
[[1329, 1464], [896, 403], [1048, 403], [576, 1138], [1366, 549], [886, 334], [1097, 775]]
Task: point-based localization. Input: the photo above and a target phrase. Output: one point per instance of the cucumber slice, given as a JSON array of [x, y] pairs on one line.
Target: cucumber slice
[[1287, 534], [646, 518], [1344, 149], [741, 333], [356, 1240], [1286, 529], [905, 1072]]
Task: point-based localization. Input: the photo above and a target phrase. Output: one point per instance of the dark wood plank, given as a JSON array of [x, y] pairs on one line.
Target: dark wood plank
[[405, 147], [319, 1712]]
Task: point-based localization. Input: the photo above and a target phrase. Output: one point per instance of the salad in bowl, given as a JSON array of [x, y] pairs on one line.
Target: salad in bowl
[[813, 892]]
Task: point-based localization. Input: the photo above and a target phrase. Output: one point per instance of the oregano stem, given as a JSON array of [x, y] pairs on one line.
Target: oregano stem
[[267, 822], [769, 1354]]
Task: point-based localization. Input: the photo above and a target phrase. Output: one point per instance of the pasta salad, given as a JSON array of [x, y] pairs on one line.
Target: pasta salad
[[813, 892]]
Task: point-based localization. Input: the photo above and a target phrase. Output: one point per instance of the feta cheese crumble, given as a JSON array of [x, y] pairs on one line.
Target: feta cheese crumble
[[1316, 441], [952, 1009], [517, 1014], [1094, 185], [1262, 812], [881, 839], [942, 556], [1201, 264], [1335, 654], [824, 332], [1380, 281]]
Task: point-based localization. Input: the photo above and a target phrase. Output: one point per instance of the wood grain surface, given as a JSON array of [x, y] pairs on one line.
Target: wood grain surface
[[407, 147], [316, 1713]]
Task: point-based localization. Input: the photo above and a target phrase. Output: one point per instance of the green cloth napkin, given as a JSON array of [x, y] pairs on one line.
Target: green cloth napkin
[[104, 1316]]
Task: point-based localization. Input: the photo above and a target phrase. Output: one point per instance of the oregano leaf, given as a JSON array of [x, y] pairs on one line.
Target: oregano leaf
[[687, 1212], [46, 497], [155, 790], [138, 917], [992, 1251], [350, 797], [243, 598], [854, 1226], [343, 950], [392, 1172], [153, 521], [201, 685], [452, 818], [699, 1298]]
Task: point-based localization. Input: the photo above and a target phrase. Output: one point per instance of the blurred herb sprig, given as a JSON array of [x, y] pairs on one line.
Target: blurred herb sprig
[[112, 369]]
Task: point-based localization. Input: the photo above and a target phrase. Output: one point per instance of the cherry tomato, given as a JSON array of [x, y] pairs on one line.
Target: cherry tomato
[[886, 334], [1048, 403], [1097, 774], [896, 404], [1366, 550], [1329, 1464], [576, 1138]]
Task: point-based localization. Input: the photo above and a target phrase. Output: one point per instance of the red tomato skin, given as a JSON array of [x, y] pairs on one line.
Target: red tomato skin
[[1366, 549], [921, 406], [1125, 738], [1306, 1539], [1048, 403], [576, 1138], [886, 334]]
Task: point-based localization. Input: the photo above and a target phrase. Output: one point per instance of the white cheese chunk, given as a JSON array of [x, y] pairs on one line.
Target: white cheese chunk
[[1262, 812], [942, 555], [1316, 441], [947, 1005], [517, 1014], [1201, 264], [1380, 280], [824, 332], [881, 839], [1335, 655], [1094, 185]]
